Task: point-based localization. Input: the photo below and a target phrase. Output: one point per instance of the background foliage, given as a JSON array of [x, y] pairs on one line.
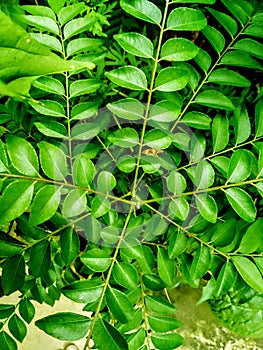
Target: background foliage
[[131, 162]]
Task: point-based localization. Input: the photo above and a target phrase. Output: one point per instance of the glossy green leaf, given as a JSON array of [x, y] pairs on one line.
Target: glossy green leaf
[[71, 11], [119, 305], [251, 238], [207, 207], [7, 342], [159, 306], [78, 25], [142, 9], [40, 11], [215, 37], [56, 5], [52, 129], [15, 200], [239, 10], [135, 44], [26, 310], [13, 274], [45, 204], [259, 118], [53, 161], [128, 77], [208, 2], [74, 204], [105, 333], [128, 108], [17, 328], [106, 181], [6, 310], [184, 18], [83, 170], [220, 132], [224, 232], [39, 258], [137, 339], [225, 76], [163, 324], [126, 163], [225, 279], [83, 291], [70, 245], [99, 206], [9, 247], [221, 163], [126, 275], [255, 30], [214, 99], [96, 259], [86, 131], [242, 203], [204, 60], [84, 110], [153, 282], [176, 183], [84, 86], [157, 139], [197, 120], [204, 175], [44, 23], [167, 341], [239, 166], [240, 59], [197, 147], [49, 107], [178, 49], [242, 127], [179, 207], [50, 84], [249, 272], [250, 46], [126, 137], [65, 325], [171, 79], [177, 244], [165, 111], [166, 267], [227, 22], [76, 46], [201, 262], [22, 155]]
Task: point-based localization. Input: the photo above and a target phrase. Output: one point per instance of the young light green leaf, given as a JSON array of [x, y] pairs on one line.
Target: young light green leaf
[[15, 200], [83, 170], [251, 238], [178, 49], [49, 108], [207, 207], [239, 167], [225, 76], [44, 23], [171, 79], [105, 333], [84, 86], [135, 44], [142, 9], [48, 41], [220, 132], [197, 120], [214, 99], [66, 326], [249, 272], [242, 127], [52, 129], [39, 261], [56, 5], [96, 259], [17, 328], [126, 275], [227, 22], [184, 18], [45, 204], [128, 108], [78, 25], [83, 291], [166, 267], [71, 11], [7, 342], [128, 77], [119, 305], [53, 161], [75, 203], [167, 341], [13, 274], [26, 310], [70, 245], [215, 37], [125, 137], [80, 45], [50, 84], [22, 155], [242, 203]]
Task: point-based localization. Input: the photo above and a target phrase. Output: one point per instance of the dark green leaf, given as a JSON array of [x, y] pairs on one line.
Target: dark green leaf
[[159, 306], [220, 132], [225, 279], [171, 79], [240, 59], [201, 262], [126, 275], [96, 259], [215, 37], [142, 9], [227, 22], [184, 18], [39, 258], [242, 203], [104, 333], [259, 118], [166, 267], [70, 245], [225, 76], [242, 127], [135, 44], [17, 328], [13, 274], [65, 325], [153, 282], [128, 77], [214, 99], [239, 10], [9, 247], [178, 49], [52, 129], [7, 342], [167, 341], [250, 46], [239, 166], [177, 244], [163, 324], [251, 238], [119, 305], [84, 291], [6, 310], [26, 310]]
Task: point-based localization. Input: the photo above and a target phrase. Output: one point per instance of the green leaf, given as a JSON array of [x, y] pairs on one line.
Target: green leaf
[[176, 183], [56, 5], [75, 203], [22, 155], [242, 203], [44, 23], [83, 291], [179, 207], [9, 248], [84, 86], [249, 272], [52, 129], [177, 244], [71, 11], [17, 328], [48, 41], [86, 131], [106, 181], [26, 310], [203, 60], [45, 204], [83, 170], [178, 49], [96, 259], [201, 262], [78, 25], [164, 111], [53, 161], [255, 29], [126, 163], [126, 275], [119, 305], [171, 79], [250, 46], [70, 245], [184, 18], [6, 310], [208, 2], [84, 110], [163, 324], [167, 341], [215, 37], [225, 76], [128, 77], [100, 206], [197, 120], [225, 279], [204, 175], [239, 10], [39, 258], [207, 207], [7, 342], [43, 11], [214, 99], [220, 132], [157, 139], [104, 333], [136, 339], [153, 282], [240, 59], [159, 306], [80, 45], [13, 274], [166, 267], [259, 118], [135, 44], [128, 108], [66, 326], [227, 22], [48, 107], [251, 238], [142, 9], [242, 127], [15, 200], [239, 166], [197, 147], [126, 137]]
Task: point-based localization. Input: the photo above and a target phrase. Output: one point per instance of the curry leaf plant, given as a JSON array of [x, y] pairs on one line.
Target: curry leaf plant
[[131, 162]]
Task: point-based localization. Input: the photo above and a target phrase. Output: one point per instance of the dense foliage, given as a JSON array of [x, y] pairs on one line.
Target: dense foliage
[[131, 162]]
